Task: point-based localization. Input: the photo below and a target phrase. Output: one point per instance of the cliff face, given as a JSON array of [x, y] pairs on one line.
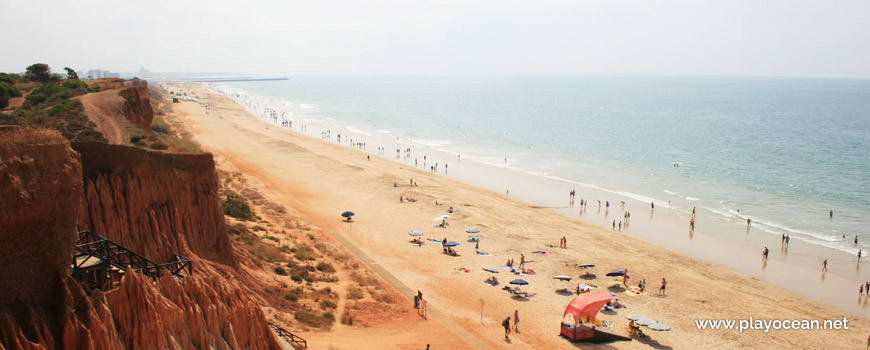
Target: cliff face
[[196, 313], [137, 106], [156, 204], [40, 191]]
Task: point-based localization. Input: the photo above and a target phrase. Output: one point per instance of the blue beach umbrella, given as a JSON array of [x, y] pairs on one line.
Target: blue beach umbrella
[[451, 244], [415, 233], [615, 273], [472, 230], [519, 282], [490, 269], [347, 214]]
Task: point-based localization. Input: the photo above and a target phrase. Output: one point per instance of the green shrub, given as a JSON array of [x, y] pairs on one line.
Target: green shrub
[[303, 253], [310, 236], [158, 146], [259, 228], [309, 318], [52, 93], [249, 240], [296, 276], [237, 207], [11, 89], [326, 304], [159, 125], [324, 267], [280, 271], [63, 106], [10, 119], [356, 293], [4, 98], [10, 78], [292, 296], [136, 138], [75, 84]]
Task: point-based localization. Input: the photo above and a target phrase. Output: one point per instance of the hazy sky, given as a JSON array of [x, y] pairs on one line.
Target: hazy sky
[[828, 38]]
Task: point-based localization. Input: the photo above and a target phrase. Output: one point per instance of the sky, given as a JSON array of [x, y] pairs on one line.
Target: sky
[[793, 38]]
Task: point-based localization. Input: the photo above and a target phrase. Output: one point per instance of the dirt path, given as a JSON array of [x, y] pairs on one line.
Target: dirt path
[[106, 122]]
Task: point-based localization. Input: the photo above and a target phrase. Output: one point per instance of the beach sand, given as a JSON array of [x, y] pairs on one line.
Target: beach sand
[[321, 179]]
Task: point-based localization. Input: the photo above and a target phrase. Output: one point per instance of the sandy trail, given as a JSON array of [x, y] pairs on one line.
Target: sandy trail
[[320, 179]]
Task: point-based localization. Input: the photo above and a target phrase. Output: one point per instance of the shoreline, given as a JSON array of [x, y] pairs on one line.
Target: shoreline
[[714, 239], [321, 179]]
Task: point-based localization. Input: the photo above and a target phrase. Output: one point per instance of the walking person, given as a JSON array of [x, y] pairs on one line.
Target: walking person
[[516, 321], [507, 327], [825, 265], [664, 285]]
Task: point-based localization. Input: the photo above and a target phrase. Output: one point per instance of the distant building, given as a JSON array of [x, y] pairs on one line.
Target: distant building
[[99, 74], [94, 74]]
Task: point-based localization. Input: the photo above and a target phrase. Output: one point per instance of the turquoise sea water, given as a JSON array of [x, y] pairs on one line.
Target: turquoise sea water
[[782, 151]]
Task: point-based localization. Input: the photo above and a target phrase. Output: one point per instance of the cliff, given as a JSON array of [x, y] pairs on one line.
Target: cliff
[[119, 112], [154, 203], [40, 188]]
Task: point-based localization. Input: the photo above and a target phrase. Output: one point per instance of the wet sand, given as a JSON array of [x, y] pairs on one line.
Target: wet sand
[[321, 179]]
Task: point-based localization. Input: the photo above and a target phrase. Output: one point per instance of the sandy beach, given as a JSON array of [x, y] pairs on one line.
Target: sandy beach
[[321, 179]]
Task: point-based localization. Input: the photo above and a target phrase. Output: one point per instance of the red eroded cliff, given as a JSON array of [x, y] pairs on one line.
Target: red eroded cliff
[[137, 106], [156, 204], [40, 192]]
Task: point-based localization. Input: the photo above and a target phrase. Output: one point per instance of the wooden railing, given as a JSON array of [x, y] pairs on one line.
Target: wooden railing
[[289, 337], [108, 253]]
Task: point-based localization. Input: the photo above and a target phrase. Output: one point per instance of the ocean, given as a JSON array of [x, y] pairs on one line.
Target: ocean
[[781, 152]]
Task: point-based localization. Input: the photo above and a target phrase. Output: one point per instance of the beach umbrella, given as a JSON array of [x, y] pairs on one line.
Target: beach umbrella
[[451, 244], [415, 233], [472, 230], [442, 217], [563, 278], [490, 269], [347, 214], [659, 327], [615, 273], [519, 282], [644, 322], [635, 317]]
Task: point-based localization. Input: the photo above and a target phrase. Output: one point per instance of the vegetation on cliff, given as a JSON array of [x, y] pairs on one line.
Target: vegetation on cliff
[[49, 104], [309, 281]]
